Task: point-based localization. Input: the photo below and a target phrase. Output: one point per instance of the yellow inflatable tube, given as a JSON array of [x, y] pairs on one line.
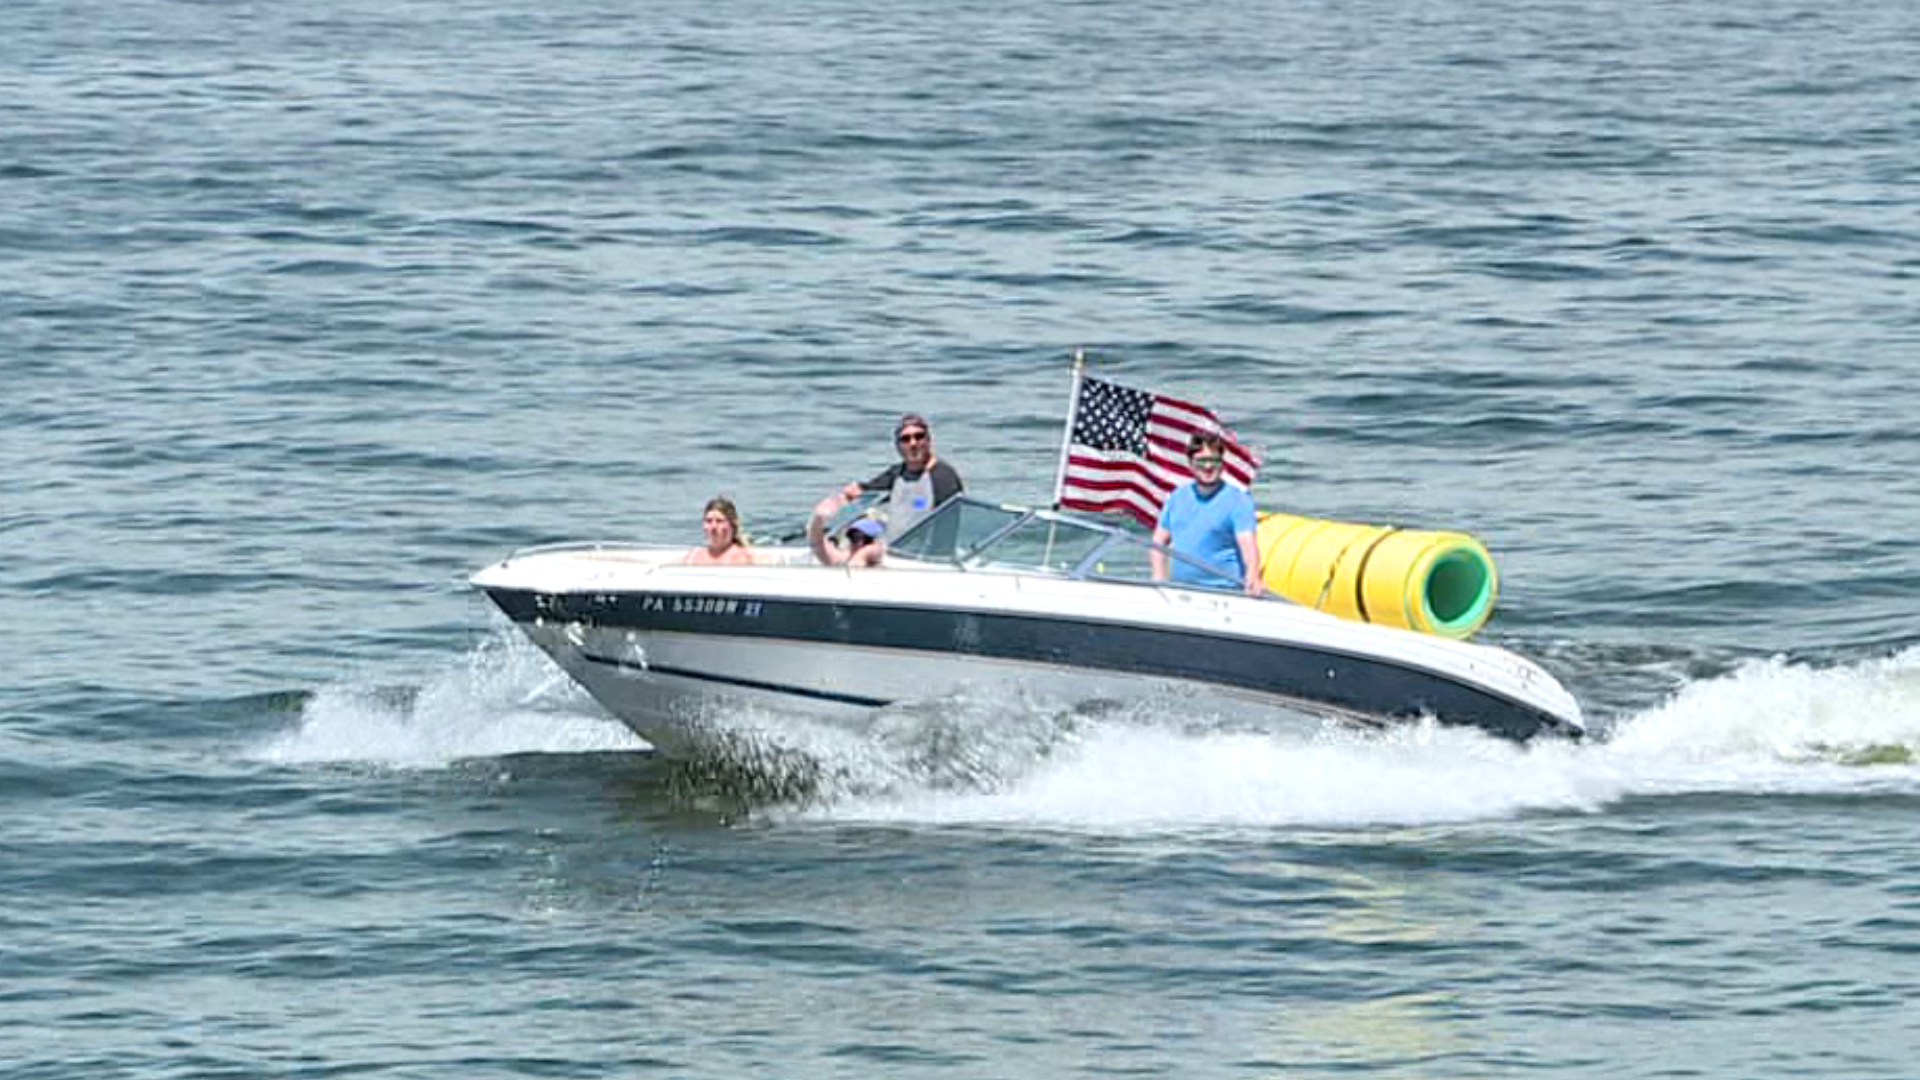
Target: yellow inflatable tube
[[1439, 583]]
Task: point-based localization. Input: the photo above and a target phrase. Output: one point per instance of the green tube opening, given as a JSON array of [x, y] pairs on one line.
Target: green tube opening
[[1459, 591]]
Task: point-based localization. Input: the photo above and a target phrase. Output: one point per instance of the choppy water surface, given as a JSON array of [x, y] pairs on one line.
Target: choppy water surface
[[308, 313]]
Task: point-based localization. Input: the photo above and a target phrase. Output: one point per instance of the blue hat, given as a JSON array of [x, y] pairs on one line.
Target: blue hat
[[867, 527]]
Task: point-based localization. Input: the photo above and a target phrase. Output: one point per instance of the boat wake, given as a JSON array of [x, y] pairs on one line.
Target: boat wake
[[961, 742], [504, 697], [1768, 727], [1791, 713], [998, 760]]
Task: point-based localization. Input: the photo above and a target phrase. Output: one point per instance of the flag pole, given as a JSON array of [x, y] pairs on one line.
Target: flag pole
[[1066, 437]]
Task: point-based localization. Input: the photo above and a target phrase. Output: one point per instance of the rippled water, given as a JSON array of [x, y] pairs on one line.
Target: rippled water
[[310, 312]]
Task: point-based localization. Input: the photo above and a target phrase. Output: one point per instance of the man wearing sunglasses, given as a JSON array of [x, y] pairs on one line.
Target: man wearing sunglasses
[[917, 483], [1211, 520]]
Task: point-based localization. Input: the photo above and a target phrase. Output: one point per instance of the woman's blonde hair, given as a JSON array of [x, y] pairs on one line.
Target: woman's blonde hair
[[728, 511]]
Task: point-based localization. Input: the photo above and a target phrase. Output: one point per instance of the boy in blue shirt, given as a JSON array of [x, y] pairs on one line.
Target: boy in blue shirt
[[1211, 520]]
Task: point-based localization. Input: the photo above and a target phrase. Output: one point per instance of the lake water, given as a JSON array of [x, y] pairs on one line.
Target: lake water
[[309, 311]]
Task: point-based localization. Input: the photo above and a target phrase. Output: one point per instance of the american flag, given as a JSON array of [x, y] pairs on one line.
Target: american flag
[[1128, 450]]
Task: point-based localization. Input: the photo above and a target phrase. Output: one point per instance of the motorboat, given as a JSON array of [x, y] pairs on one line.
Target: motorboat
[[981, 595]]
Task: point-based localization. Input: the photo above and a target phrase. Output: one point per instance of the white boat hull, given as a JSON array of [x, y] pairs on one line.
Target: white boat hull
[[678, 651], [680, 692]]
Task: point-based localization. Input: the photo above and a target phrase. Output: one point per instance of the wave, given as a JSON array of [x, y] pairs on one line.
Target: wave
[[1771, 727], [1767, 727], [1788, 712], [505, 697]]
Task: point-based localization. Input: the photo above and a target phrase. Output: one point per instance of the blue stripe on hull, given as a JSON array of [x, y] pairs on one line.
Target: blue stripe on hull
[[744, 684]]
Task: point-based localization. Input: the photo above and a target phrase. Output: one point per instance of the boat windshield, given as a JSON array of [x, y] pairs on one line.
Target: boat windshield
[[970, 534]]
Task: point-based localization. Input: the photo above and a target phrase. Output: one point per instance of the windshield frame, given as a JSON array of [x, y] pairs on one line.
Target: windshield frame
[[977, 557]]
